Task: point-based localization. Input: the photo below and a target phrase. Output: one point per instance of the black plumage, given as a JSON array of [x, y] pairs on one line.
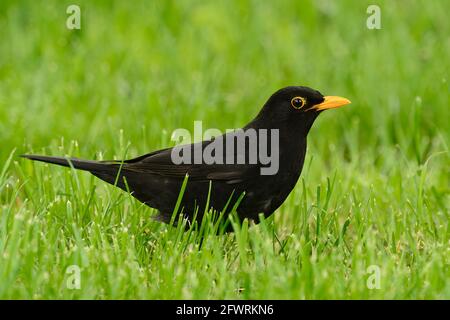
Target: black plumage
[[156, 181]]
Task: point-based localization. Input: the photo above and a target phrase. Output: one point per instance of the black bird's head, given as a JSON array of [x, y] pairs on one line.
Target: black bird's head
[[295, 107]]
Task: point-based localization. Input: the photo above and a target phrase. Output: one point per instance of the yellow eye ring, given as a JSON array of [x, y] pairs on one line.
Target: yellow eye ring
[[298, 102]]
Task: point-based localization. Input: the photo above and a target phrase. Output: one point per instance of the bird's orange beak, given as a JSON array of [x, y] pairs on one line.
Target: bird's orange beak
[[331, 102]]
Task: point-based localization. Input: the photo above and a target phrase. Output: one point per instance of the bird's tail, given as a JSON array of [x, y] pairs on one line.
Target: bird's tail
[[87, 165]]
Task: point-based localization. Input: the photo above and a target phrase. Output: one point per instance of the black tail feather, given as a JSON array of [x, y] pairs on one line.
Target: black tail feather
[[88, 165]]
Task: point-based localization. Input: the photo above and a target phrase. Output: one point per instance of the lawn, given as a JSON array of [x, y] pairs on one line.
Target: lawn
[[368, 219]]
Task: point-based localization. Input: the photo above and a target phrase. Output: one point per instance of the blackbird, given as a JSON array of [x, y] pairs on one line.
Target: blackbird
[[232, 178]]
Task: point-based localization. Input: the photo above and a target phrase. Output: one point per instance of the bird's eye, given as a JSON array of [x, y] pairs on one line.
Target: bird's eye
[[298, 102]]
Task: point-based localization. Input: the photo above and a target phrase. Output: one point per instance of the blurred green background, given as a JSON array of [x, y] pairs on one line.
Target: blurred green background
[[137, 70]]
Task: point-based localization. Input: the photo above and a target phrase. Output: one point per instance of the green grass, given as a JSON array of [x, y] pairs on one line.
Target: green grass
[[374, 189]]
